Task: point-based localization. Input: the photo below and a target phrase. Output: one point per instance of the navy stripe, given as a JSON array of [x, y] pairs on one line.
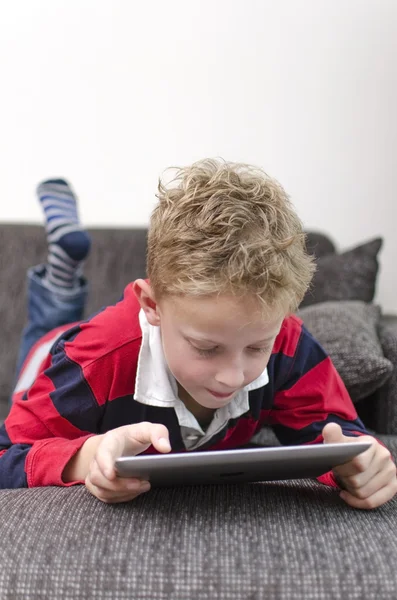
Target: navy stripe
[[5, 441], [125, 410], [66, 278], [67, 202], [73, 397], [260, 399], [56, 196], [289, 437], [278, 369], [12, 462], [67, 336], [308, 355], [62, 215], [284, 371]]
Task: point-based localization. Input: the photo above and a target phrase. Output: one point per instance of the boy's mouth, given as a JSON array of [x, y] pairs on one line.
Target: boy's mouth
[[217, 395]]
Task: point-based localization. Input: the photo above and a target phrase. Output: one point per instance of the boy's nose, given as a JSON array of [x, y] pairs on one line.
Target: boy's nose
[[232, 378]]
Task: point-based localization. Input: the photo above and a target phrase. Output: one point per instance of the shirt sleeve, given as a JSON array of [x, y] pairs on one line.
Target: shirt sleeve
[[68, 391], [50, 421], [309, 394]]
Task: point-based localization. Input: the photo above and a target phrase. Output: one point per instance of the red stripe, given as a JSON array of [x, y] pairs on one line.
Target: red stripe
[[114, 335], [109, 377], [108, 331], [328, 479], [315, 395], [288, 338], [18, 396], [37, 418], [42, 469]]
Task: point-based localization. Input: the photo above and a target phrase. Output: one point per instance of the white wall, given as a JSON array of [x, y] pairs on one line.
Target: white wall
[[110, 92]]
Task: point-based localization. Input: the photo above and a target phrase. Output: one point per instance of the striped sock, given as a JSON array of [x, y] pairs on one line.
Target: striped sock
[[68, 243]]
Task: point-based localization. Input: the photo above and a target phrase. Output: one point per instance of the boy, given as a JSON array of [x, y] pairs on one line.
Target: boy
[[199, 356]]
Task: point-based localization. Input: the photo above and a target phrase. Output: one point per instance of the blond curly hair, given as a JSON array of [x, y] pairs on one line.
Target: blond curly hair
[[227, 228]]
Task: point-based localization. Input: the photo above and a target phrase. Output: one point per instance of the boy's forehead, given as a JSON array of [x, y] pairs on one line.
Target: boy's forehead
[[204, 314]]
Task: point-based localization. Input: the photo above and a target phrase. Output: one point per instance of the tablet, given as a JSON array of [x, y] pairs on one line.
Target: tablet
[[238, 466]]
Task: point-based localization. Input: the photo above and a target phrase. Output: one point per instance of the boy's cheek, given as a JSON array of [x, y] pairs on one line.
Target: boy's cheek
[[189, 373]]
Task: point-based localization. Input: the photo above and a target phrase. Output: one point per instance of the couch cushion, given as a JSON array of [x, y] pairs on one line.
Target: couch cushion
[[384, 409], [283, 540], [348, 332], [347, 276], [319, 244]]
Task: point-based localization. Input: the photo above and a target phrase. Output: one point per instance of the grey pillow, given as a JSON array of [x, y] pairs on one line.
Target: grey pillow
[[347, 276], [347, 331]]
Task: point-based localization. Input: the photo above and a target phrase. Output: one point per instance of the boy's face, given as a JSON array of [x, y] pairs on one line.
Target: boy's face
[[211, 344]]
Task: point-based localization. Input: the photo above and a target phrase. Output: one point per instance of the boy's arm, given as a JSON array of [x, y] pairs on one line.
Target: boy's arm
[[54, 418], [310, 393], [78, 466], [47, 425], [38, 464]]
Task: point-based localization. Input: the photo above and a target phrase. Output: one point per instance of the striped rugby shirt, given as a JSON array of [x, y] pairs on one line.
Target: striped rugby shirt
[[89, 377]]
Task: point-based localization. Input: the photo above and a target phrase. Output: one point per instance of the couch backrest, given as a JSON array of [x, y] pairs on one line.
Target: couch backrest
[[117, 257]]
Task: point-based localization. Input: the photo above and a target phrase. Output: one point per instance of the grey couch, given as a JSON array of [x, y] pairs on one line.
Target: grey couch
[[278, 540]]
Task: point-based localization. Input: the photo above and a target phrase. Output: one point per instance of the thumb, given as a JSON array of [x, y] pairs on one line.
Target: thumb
[[333, 434]]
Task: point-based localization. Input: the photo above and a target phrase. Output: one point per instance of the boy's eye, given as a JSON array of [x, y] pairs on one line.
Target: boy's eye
[[212, 351], [205, 352]]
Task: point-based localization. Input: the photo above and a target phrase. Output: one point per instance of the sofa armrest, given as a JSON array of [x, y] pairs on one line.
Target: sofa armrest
[[385, 401]]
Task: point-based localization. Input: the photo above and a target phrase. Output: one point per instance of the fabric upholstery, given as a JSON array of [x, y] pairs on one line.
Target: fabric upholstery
[[347, 330], [348, 276], [117, 257], [319, 244], [282, 540], [385, 407]]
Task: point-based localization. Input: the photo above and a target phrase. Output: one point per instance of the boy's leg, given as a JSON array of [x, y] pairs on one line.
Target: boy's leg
[[57, 291]]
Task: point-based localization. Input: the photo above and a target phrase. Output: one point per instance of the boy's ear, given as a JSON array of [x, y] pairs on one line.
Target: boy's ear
[[144, 293]]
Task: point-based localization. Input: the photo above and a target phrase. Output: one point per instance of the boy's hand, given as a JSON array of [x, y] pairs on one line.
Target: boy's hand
[[102, 480], [369, 479]]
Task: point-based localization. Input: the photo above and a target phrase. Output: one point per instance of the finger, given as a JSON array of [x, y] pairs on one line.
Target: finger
[[142, 435], [366, 467], [117, 495], [132, 439], [125, 496], [106, 497], [381, 479], [118, 484], [360, 464], [160, 438], [359, 479], [380, 497], [332, 433]]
